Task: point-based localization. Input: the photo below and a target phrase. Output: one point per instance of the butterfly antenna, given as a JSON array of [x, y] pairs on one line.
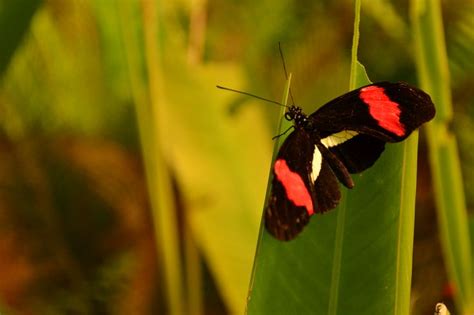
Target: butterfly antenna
[[284, 68], [250, 94]]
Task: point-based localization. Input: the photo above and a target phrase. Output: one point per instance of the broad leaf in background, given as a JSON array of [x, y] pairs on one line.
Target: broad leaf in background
[[216, 155]]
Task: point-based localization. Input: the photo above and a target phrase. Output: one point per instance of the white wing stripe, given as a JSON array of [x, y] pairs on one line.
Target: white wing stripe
[[316, 165], [338, 138]]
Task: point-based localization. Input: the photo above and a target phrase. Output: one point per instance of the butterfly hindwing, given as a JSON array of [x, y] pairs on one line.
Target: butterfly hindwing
[[357, 153], [326, 189]]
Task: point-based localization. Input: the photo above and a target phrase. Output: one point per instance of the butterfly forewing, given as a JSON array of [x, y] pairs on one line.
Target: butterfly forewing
[[303, 184], [387, 111], [364, 119]]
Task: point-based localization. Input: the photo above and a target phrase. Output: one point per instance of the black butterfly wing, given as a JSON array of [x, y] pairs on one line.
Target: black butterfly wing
[[356, 125], [384, 110], [303, 184]]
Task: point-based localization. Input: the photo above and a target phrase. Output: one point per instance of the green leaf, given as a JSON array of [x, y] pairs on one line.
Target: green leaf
[[361, 77]]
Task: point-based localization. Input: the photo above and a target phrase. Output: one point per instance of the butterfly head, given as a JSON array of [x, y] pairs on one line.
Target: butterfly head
[[296, 114]]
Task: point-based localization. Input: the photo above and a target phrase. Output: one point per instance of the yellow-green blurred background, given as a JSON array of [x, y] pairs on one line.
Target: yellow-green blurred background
[[105, 102]]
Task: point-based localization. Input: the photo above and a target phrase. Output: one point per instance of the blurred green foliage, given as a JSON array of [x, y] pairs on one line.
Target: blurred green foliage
[[76, 230]]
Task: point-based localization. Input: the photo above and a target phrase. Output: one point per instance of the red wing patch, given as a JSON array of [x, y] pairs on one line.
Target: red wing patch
[[382, 109], [294, 186]]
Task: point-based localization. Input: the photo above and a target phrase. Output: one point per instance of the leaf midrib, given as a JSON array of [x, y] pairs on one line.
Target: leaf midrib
[[399, 236], [337, 258]]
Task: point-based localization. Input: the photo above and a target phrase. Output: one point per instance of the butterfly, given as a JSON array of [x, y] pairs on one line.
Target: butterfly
[[345, 136]]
